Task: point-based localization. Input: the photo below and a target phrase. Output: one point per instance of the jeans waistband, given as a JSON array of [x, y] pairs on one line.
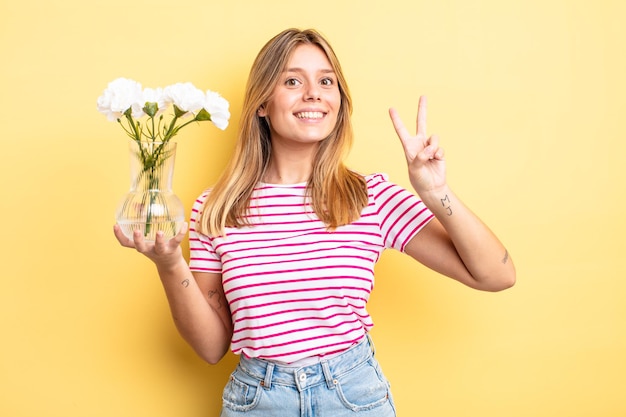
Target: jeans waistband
[[326, 371]]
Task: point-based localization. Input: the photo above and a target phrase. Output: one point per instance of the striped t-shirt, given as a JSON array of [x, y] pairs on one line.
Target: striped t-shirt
[[296, 290]]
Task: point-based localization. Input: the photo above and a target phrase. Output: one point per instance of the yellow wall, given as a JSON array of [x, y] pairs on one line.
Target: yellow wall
[[527, 96]]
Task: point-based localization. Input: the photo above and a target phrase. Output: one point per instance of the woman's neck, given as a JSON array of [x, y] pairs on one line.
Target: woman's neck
[[290, 167], [280, 174]]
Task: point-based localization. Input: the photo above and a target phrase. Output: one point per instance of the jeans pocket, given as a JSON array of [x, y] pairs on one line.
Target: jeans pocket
[[240, 395], [364, 388]]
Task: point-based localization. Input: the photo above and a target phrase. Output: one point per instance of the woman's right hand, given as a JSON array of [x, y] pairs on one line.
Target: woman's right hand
[[199, 308], [163, 252], [425, 159]]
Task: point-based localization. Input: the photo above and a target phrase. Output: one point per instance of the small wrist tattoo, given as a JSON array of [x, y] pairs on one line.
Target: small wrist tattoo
[[506, 256], [445, 202], [185, 283]]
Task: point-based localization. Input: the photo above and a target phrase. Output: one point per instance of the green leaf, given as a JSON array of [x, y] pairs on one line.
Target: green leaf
[[178, 112], [203, 115], [151, 108]]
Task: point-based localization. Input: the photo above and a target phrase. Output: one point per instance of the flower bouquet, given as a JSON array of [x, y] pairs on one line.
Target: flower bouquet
[[151, 205]]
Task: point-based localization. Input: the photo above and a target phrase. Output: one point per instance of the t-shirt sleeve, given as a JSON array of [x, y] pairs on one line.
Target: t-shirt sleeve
[[202, 255], [401, 213]]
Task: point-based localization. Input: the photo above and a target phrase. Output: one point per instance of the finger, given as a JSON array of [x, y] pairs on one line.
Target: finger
[[178, 239], [398, 125], [140, 243], [180, 236], [121, 237], [433, 141], [438, 151], [421, 116], [431, 150], [439, 155], [160, 243]]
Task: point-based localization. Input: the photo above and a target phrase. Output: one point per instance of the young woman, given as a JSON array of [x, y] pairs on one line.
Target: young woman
[[283, 247]]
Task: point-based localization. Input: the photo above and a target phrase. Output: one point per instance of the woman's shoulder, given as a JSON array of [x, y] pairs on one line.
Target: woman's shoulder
[[199, 202], [203, 195], [376, 179], [380, 186]]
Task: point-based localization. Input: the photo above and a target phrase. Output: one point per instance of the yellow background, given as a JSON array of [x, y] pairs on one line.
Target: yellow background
[[527, 96]]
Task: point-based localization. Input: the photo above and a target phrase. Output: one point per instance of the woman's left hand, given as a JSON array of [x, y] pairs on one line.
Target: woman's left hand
[[425, 159]]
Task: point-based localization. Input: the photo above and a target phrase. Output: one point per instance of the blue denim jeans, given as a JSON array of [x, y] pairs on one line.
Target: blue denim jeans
[[349, 384]]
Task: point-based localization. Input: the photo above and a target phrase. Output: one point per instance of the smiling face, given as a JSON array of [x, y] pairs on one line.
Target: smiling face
[[304, 104]]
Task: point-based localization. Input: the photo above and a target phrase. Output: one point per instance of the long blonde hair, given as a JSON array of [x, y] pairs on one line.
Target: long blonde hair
[[338, 195]]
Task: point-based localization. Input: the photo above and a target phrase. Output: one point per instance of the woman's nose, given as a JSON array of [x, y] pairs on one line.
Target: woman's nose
[[312, 92]]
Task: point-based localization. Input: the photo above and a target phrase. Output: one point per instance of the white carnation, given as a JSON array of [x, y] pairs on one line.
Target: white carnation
[[120, 95], [185, 96], [217, 106]]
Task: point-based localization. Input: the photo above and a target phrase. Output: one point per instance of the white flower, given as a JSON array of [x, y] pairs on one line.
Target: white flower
[[185, 96], [121, 95], [155, 95], [141, 112], [217, 106]]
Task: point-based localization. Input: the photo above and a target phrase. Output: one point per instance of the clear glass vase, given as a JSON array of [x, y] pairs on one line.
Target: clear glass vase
[[151, 205]]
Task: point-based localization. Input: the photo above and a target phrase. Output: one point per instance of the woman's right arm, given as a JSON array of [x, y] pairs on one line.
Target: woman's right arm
[[196, 300]]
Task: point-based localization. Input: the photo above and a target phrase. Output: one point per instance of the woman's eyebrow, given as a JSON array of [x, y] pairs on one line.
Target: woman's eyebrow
[[298, 69]]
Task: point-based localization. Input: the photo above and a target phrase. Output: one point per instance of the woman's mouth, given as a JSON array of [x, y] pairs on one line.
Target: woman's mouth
[[309, 115]]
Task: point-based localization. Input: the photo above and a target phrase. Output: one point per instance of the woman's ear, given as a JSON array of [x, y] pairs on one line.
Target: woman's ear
[[261, 111]]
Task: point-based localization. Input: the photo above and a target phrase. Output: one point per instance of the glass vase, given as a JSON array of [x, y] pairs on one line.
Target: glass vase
[[151, 205]]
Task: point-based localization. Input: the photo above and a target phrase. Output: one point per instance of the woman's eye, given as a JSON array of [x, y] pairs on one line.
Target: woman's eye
[[327, 81], [292, 82]]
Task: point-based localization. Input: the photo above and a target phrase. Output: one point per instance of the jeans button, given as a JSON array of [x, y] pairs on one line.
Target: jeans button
[[302, 377]]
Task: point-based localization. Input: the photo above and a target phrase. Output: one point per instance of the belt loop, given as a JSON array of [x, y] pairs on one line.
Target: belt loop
[[371, 343], [330, 381], [267, 382]]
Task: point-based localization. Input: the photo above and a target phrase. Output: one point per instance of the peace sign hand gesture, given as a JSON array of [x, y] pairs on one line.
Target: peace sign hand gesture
[[424, 157]]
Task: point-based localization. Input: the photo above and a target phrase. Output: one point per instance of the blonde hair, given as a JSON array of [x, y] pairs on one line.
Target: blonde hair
[[338, 195]]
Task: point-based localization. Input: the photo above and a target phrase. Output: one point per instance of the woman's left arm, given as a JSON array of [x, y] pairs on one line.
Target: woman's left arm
[[456, 243]]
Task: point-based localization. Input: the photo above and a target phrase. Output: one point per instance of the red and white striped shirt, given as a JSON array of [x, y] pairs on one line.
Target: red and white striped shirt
[[296, 290]]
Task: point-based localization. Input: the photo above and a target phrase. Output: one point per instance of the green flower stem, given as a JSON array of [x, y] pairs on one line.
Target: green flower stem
[[152, 157], [152, 186], [175, 131], [136, 133], [171, 131]]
